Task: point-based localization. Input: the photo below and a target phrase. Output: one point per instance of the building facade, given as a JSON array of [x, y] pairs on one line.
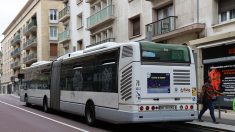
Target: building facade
[[91, 22], [216, 51], [1, 90], [32, 36]]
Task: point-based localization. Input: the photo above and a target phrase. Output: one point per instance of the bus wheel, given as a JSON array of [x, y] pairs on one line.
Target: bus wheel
[[90, 114], [26, 101], [45, 105]]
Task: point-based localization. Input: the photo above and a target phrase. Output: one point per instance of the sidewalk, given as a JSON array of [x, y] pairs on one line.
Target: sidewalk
[[227, 121]]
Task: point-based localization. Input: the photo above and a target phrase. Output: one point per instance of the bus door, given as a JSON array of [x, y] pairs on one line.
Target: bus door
[[55, 85]]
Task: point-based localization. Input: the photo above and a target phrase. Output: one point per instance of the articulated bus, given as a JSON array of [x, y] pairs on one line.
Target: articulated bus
[[134, 82]]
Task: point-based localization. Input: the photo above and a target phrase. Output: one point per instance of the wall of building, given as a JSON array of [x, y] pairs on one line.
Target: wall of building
[[41, 9], [76, 32]]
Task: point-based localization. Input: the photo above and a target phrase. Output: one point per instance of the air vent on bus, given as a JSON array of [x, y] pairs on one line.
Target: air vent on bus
[[127, 51], [126, 84], [181, 77]]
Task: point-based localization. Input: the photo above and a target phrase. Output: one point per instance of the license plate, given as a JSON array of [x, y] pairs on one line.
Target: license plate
[[167, 107]]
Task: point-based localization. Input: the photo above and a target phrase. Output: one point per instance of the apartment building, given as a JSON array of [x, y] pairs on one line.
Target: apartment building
[[1, 90], [73, 33], [216, 51], [32, 36], [92, 22]]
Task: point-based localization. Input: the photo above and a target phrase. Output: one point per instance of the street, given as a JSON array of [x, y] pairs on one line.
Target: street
[[28, 119]]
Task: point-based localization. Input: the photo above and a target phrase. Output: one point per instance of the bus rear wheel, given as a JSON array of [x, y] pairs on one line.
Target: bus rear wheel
[[90, 114]]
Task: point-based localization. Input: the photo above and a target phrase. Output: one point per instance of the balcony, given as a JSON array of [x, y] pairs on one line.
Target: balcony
[[166, 28], [29, 59], [31, 27], [32, 42], [64, 14], [15, 40], [90, 1], [15, 53], [100, 17], [64, 36], [15, 65], [103, 41]]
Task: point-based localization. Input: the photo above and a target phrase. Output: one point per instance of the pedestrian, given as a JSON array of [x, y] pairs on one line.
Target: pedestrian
[[208, 96]]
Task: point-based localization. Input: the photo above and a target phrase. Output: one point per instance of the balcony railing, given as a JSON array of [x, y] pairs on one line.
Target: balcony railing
[[30, 27], [162, 26], [102, 41], [15, 40], [64, 14], [15, 52], [30, 43], [15, 65], [100, 16], [30, 58], [64, 36], [90, 1]]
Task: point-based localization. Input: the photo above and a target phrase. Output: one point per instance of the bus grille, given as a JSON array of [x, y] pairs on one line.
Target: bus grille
[[127, 51], [181, 77], [126, 84]]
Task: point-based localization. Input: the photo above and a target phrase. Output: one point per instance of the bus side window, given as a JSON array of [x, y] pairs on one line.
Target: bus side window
[[108, 72]]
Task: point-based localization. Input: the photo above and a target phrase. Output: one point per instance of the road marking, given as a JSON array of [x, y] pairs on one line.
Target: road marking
[[45, 117]]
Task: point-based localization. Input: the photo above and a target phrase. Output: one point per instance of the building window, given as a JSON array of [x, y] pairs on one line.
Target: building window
[[165, 20], [165, 12], [102, 37], [223, 16], [134, 26], [232, 14], [226, 10], [79, 21], [53, 16], [80, 45], [53, 49], [53, 33]]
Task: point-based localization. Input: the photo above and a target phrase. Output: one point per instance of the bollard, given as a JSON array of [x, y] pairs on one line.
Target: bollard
[[234, 104]]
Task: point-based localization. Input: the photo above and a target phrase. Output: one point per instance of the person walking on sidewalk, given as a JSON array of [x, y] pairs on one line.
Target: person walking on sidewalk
[[208, 97]]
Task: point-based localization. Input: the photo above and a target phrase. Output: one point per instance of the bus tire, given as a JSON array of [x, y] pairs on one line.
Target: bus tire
[[90, 114], [26, 101], [45, 105]]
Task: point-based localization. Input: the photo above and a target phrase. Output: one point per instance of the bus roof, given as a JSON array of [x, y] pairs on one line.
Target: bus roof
[[39, 63], [100, 47]]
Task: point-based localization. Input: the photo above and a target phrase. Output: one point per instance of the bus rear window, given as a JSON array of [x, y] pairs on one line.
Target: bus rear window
[[170, 53]]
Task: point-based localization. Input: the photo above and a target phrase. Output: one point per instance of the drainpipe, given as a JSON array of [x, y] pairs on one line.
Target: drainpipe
[[197, 11]]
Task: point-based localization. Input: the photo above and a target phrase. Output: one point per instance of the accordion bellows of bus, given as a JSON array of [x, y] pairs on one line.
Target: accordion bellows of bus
[[132, 82]]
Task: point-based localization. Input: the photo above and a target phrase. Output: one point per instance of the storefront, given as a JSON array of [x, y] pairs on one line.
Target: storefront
[[219, 65]]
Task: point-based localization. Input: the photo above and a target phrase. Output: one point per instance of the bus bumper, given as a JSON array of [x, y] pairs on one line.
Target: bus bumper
[[121, 117]]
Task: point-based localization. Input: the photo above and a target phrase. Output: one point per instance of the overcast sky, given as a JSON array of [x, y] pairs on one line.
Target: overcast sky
[[8, 11]]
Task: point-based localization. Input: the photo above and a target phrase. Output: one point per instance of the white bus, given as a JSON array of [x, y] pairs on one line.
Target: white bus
[[133, 82]]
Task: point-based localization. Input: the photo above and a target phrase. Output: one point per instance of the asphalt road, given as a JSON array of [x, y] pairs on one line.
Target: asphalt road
[[16, 117]]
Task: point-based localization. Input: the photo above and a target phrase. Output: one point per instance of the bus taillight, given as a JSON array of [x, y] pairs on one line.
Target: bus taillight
[[186, 107], [147, 108], [141, 108], [191, 107], [153, 107]]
